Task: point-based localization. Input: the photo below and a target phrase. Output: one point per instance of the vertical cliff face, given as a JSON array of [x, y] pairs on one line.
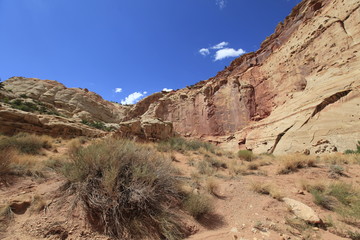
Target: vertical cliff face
[[300, 88]]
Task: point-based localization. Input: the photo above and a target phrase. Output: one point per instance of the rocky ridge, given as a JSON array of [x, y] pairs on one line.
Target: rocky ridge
[[300, 92]]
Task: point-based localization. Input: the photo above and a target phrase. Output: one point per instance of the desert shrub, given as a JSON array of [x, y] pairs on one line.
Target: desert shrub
[[336, 170], [354, 235], [267, 189], [291, 163], [298, 224], [182, 145], [6, 157], [24, 106], [212, 186], [314, 186], [343, 192], [26, 143], [357, 151], [98, 125], [323, 200], [261, 188], [214, 162], [204, 167], [197, 205], [246, 155], [128, 191]]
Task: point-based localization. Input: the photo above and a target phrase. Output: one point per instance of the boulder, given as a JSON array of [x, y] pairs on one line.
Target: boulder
[[303, 211]]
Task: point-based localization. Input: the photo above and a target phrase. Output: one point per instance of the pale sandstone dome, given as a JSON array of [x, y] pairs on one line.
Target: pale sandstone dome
[[300, 92]]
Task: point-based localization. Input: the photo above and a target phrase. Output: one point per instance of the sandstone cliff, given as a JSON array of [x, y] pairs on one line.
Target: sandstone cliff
[[299, 92]]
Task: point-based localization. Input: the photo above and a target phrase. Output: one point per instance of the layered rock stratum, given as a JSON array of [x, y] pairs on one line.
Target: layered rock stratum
[[300, 92]]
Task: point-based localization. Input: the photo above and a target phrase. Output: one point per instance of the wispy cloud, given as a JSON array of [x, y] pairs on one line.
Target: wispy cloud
[[221, 3], [118, 90], [228, 52], [204, 51], [133, 98], [167, 89], [220, 45]]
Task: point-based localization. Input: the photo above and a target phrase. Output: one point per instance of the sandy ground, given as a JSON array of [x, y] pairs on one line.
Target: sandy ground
[[238, 212]]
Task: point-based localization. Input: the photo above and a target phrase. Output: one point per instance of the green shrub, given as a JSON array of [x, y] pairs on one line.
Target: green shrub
[[24, 106], [25, 143], [98, 125], [323, 200], [246, 155], [197, 205], [127, 189], [357, 151]]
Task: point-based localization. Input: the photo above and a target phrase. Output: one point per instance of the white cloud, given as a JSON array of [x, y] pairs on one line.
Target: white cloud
[[220, 45], [221, 3], [167, 89], [228, 52], [118, 90], [133, 98], [204, 51]]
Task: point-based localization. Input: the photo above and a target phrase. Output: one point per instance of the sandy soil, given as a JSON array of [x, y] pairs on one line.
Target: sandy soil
[[238, 211]]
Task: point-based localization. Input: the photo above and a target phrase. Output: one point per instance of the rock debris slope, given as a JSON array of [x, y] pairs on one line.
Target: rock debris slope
[[299, 92]]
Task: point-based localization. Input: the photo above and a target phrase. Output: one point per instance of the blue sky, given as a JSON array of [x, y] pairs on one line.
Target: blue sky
[[122, 47]]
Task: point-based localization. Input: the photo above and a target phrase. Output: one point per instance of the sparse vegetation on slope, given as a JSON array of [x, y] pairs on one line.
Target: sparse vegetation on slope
[[182, 145], [25, 143]]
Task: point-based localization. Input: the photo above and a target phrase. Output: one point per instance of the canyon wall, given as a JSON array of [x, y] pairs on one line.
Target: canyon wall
[[298, 92]]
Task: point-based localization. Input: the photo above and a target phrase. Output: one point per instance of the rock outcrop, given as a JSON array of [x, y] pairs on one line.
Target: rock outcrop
[[300, 92], [74, 103], [145, 129], [14, 121]]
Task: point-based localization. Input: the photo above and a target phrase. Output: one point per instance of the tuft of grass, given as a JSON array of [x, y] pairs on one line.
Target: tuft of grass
[[353, 235], [335, 171], [26, 143], [291, 163], [182, 145], [314, 186], [204, 167], [197, 205], [236, 168], [267, 189], [246, 155], [298, 224], [128, 190], [214, 162], [323, 200], [212, 186], [340, 197], [13, 163], [6, 157]]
